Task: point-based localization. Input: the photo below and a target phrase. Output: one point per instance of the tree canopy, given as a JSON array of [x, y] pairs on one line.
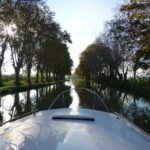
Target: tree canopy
[[34, 39], [124, 47]]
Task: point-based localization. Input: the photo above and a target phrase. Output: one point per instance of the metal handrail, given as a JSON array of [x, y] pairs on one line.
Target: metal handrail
[[86, 89]]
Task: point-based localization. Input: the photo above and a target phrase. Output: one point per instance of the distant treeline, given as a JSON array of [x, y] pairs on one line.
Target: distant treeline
[[123, 47], [34, 39]]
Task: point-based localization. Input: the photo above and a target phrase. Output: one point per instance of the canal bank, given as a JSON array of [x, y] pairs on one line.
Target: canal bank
[[131, 86], [20, 88]]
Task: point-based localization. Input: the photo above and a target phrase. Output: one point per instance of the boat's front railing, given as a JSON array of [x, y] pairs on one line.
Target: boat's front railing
[[86, 89]]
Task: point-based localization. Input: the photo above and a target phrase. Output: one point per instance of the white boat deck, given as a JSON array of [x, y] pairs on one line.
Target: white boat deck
[[105, 131]]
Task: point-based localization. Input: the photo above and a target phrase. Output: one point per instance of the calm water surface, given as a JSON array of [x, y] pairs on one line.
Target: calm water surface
[[135, 109]]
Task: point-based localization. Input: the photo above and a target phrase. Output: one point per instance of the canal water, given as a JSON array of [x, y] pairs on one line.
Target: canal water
[[135, 109]]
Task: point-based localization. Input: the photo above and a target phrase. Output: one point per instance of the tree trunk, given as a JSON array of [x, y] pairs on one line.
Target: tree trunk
[[42, 75], [54, 76], [125, 74], [135, 68], [134, 74], [1, 83], [119, 74], [17, 78], [29, 75], [3, 49], [47, 79], [111, 73], [37, 75], [49, 76]]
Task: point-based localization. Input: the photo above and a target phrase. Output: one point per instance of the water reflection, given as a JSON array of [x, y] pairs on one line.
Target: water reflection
[[75, 99], [135, 109], [17, 104]]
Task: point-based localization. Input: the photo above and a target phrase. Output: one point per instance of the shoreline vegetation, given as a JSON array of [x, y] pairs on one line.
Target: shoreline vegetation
[[139, 88], [24, 86]]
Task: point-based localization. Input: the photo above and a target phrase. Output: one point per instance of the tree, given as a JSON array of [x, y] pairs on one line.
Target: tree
[[139, 21], [94, 61], [37, 40], [3, 47], [52, 45], [21, 19], [121, 45], [33, 11], [5, 19]]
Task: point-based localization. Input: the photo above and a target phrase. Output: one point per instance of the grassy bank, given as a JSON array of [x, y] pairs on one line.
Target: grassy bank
[[140, 88], [9, 80], [10, 88]]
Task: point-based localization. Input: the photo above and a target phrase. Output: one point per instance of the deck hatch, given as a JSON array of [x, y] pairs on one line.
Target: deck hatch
[[73, 117]]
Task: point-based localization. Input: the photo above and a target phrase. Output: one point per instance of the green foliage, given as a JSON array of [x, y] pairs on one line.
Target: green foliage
[[36, 40], [94, 61], [126, 37], [139, 22]]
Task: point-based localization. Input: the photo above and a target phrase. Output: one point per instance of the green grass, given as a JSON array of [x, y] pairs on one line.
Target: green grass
[[9, 80], [11, 88]]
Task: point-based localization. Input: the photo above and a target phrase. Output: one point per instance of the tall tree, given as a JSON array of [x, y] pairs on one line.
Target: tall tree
[[139, 21], [37, 39], [5, 21], [3, 47], [94, 61], [120, 43], [18, 42]]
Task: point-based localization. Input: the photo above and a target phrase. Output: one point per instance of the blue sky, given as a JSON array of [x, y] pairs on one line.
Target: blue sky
[[83, 19]]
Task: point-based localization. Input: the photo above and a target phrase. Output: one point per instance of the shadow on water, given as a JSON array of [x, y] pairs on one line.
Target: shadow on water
[[135, 109]]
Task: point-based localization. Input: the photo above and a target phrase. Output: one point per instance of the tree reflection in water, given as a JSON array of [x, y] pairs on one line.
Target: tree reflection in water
[[24, 102], [135, 109]]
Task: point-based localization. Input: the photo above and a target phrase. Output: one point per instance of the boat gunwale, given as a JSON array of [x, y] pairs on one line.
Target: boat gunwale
[[132, 124]]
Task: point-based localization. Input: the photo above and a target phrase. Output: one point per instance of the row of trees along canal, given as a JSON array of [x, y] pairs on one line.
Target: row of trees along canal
[[34, 39], [124, 47]]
